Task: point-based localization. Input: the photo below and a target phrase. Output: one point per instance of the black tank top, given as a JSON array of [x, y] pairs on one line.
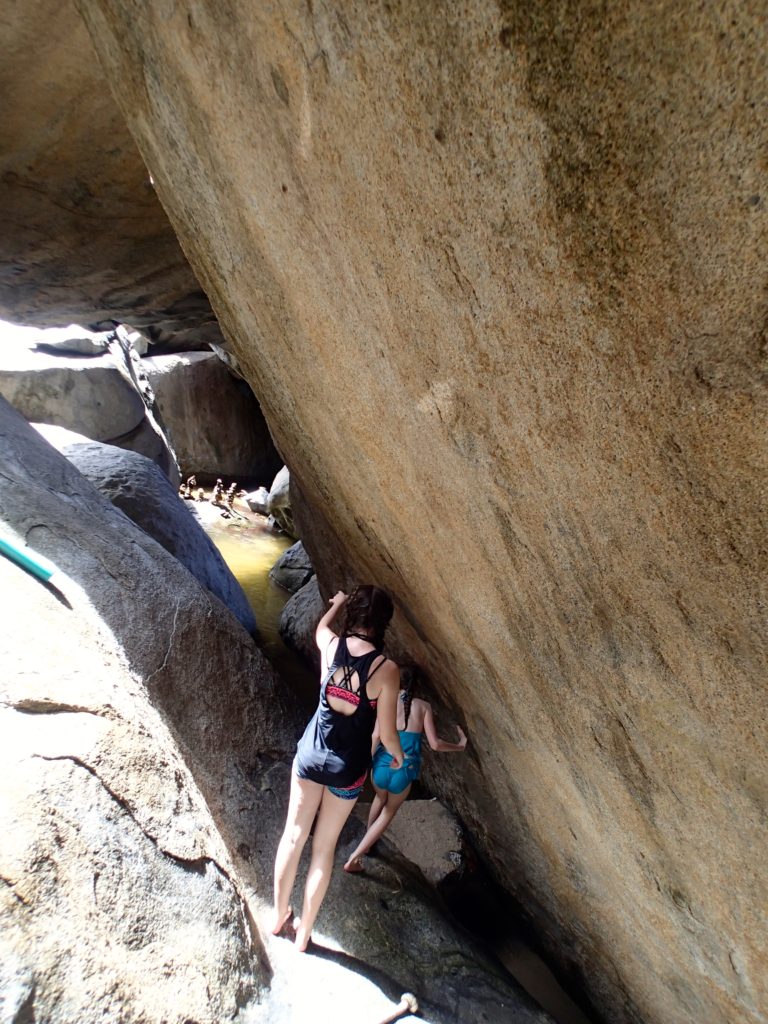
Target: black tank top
[[335, 749]]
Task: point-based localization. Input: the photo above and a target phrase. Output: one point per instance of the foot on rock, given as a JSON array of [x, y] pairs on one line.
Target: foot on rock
[[354, 866], [279, 922], [303, 939]]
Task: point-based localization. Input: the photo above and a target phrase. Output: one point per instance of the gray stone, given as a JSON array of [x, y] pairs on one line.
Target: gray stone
[[257, 500], [426, 834], [299, 618], [72, 340], [89, 396], [386, 925], [137, 486], [292, 569], [138, 341], [279, 503], [130, 696], [101, 397], [213, 420]]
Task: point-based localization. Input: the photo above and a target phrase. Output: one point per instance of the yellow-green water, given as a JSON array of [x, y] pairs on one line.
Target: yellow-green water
[[250, 550]]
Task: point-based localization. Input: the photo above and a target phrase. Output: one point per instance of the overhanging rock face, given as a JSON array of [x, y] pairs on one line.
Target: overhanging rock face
[[84, 237], [496, 278]]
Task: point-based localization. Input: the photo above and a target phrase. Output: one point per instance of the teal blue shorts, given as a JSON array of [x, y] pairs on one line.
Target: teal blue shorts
[[397, 780]]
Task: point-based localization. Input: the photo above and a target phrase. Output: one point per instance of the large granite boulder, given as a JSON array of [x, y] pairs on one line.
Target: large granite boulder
[[279, 503], [131, 699], [142, 801], [495, 279], [293, 569], [72, 340], [299, 619], [84, 236], [137, 486], [103, 397], [213, 420]]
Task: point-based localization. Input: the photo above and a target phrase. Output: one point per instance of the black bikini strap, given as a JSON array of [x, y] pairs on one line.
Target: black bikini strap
[[383, 659]]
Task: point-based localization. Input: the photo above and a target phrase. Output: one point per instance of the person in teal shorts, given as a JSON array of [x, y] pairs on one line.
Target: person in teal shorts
[[391, 783]]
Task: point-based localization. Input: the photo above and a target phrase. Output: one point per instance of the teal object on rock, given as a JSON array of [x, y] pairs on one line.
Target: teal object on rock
[[28, 559]]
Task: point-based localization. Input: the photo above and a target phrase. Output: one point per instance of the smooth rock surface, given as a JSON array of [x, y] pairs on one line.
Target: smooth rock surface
[[213, 420], [257, 500], [299, 619], [101, 397], [73, 340], [293, 569], [279, 502], [130, 697], [137, 486], [84, 237], [377, 935], [427, 835], [88, 396], [496, 279]]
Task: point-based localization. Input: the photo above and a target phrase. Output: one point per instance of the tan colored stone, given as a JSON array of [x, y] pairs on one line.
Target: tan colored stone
[[84, 237], [495, 275], [427, 834]]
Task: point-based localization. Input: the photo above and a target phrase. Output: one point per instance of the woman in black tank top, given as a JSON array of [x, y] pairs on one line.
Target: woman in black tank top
[[358, 688]]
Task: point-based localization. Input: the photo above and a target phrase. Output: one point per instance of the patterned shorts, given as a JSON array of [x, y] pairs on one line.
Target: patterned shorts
[[350, 792]]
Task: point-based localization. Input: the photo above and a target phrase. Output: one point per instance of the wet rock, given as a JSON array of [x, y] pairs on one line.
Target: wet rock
[[213, 420], [130, 697], [293, 568], [279, 503], [300, 617], [137, 486]]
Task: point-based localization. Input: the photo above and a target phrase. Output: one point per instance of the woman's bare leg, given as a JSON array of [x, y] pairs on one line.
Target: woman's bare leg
[[377, 829], [334, 811], [378, 804], [302, 807]]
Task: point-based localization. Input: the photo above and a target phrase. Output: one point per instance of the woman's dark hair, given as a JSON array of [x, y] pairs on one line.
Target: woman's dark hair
[[409, 680], [368, 608]]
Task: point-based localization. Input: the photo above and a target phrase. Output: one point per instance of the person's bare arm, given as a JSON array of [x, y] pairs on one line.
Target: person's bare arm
[[375, 737], [388, 677], [443, 746], [323, 632]]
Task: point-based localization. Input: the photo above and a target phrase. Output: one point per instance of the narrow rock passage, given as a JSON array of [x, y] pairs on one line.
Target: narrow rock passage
[[365, 983]]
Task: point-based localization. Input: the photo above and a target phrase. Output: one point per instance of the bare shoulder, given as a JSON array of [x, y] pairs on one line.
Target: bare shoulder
[[384, 675]]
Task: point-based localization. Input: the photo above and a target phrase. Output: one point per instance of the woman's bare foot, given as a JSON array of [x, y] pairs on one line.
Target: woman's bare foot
[[302, 939], [278, 922], [354, 866]]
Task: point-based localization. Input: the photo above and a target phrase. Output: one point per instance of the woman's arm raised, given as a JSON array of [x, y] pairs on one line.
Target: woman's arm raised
[[323, 632], [443, 746]]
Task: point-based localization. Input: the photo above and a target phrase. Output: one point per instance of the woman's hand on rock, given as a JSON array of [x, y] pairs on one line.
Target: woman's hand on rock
[[462, 737], [338, 598]]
